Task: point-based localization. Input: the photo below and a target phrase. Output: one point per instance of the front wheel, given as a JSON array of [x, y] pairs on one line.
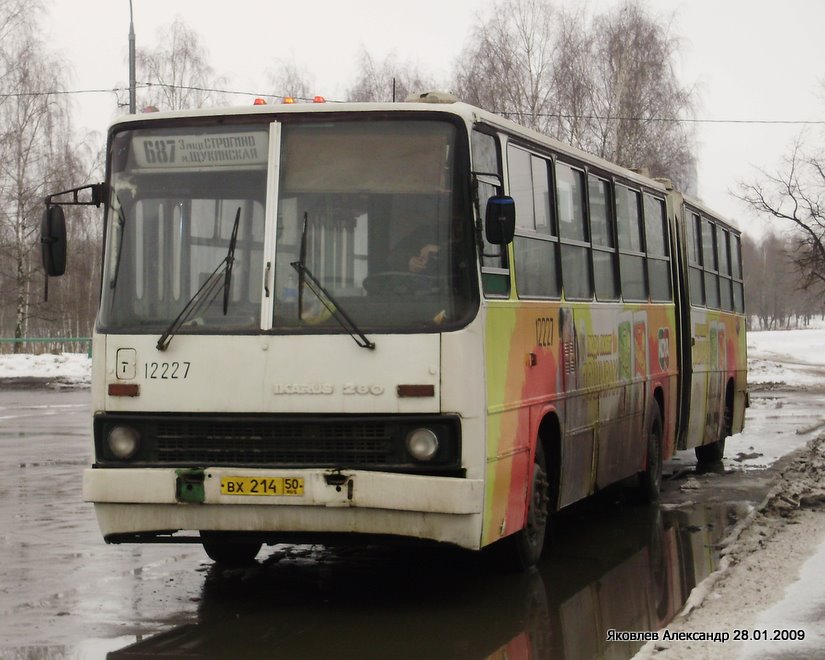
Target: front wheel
[[521, 550], [223, 550]]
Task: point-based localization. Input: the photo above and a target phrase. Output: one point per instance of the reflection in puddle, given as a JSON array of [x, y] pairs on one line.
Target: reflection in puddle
[[611, 566]]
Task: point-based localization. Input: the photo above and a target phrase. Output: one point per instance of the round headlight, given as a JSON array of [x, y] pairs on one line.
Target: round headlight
[[422, 444], [123, 441]]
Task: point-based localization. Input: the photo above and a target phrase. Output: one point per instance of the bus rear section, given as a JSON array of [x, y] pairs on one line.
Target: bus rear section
[[714, 348]]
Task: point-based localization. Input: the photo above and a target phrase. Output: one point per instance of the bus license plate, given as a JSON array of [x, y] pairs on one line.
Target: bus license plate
[[262, 486]]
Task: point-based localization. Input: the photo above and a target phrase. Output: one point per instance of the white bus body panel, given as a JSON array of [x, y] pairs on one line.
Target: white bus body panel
[[272, 374], [435, 508], [306, 374]]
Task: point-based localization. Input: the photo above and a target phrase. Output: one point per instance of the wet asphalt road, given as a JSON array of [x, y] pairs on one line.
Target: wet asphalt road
[[64, 593]]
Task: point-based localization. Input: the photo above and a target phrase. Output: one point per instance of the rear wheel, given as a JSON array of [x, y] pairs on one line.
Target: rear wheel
[[714, 451], [521, 550], [710, 453], [650, 480], [223, 550]]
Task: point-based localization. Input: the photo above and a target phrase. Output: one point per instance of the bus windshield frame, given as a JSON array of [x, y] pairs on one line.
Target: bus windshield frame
[[377, 209]]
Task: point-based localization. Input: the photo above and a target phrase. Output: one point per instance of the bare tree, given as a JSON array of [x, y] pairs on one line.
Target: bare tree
[[36, 157], [388, 80], [638, 95], [508, 63], [176, 72], [607, 86], [287, 79], [775, 297], [795, 196]]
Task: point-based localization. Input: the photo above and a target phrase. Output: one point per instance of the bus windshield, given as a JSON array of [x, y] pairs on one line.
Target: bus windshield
[[373, 211]]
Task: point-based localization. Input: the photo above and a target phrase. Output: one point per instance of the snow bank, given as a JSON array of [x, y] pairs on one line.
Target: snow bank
[[65, 368], [793, 357], [769, 578]]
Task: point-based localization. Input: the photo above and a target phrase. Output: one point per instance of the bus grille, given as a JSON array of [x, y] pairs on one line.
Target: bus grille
[[369, 442], [304, 444]]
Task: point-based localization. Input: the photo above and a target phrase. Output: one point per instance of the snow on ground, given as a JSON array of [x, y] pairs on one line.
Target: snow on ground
[[65, 368], [793, 357], [780, 364]]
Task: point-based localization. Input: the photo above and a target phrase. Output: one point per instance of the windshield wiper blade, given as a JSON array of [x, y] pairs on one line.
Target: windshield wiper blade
[[230, 259], [332, 305], [204, 296], [305, 276], [121, 221]]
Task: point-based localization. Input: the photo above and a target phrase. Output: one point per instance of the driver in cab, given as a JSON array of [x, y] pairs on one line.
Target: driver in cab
[[415, 253]]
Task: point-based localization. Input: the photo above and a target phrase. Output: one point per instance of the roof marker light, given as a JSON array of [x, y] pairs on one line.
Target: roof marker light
[[289, 99], [319, 99], [259, 101]]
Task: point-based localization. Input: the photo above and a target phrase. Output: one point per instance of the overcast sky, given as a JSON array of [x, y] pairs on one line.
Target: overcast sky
[[747, 59]]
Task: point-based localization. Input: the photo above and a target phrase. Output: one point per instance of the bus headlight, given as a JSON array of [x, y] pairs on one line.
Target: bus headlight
[[422, 444], [124, 441]]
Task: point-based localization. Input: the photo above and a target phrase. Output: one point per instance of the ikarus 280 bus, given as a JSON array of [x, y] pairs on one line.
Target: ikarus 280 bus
[[407, 321]]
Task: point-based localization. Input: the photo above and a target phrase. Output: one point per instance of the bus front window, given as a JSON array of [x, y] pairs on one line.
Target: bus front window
[[175, 195], [373, 210]]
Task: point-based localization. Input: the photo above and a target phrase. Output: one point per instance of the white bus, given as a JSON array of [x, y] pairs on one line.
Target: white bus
[[316, 323]]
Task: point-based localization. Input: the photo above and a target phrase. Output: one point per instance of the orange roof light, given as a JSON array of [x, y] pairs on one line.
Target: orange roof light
[[319, 99], [259, 101], [289, 99]]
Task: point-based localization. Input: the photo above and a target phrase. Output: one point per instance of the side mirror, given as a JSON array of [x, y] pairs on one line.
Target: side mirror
[[500, 220], [53, 241]]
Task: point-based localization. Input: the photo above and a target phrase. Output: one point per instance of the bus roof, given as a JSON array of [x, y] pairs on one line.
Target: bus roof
[[471, 114]]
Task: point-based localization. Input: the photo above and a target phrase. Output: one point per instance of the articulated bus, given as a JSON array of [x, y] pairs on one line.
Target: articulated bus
[[417, 320]]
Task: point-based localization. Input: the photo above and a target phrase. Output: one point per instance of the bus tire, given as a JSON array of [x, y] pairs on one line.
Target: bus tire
[[650, 479], [229, 553], [714, 451], [710, 453], [522, 550]]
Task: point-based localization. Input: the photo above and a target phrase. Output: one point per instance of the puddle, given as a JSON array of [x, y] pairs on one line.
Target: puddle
[[612, 566]]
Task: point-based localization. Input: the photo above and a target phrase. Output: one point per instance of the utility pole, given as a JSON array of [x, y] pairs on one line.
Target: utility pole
[[132, 101]]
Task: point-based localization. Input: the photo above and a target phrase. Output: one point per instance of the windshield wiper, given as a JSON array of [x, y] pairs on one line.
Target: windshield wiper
[[204, 296], [121, 221], [332, 305], [305, 276], [230, 259]]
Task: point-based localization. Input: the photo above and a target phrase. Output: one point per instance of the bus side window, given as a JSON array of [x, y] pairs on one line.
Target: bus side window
[[495, 271], [575, 243], [709, 238], [605, 265], [631, 255], [738, 286], [535, 245], [696, 280], [723, 254], [656, 239]]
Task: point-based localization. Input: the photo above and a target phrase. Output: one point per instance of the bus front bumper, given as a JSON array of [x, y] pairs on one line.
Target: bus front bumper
[[148, 500]]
